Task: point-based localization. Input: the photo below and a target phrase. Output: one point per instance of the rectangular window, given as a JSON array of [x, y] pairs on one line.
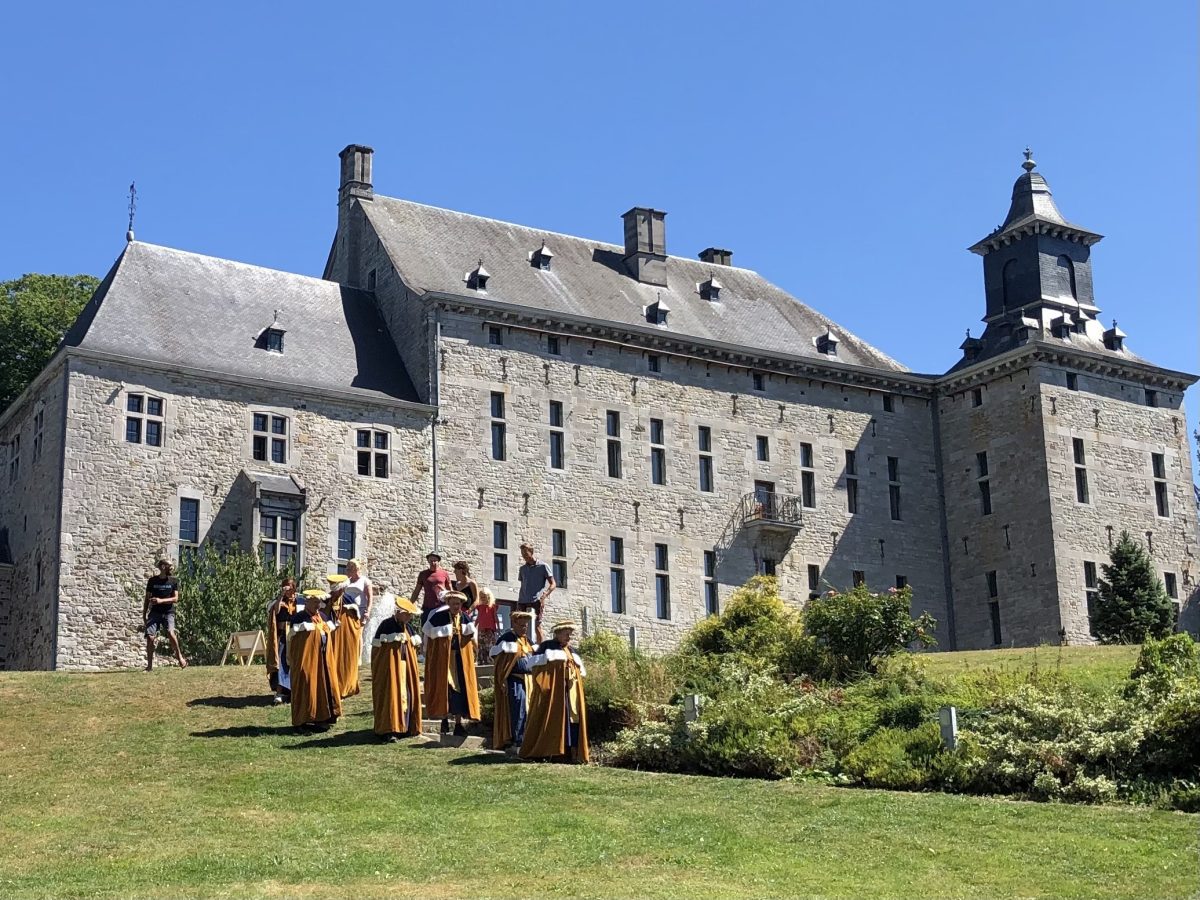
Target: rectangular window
[[499, 428], [1158, 466], [654, 362], [893, 466], [852, 480], [993, 585], [808, 477], [497, 404], [558, 437], [814, 578], [612, 426], [662, 582], [1081, 481], [1091, 590], [372, 448], [977, 396], [552, 346], [1072, 381], [762, 448], [347, 543], [901, 582], [189, 521], [616, 574], [994, 609], [143, 420], [558, 552], [711, 601], [499, 551], [860, 577], [767, 566], [279, 537], [38, 422], [985, 487], [704, 443], [889, 403], [758, 380], [1171, 585], [270, 438], [495, 338], [704, 439], [658, 452], [1151, 397]]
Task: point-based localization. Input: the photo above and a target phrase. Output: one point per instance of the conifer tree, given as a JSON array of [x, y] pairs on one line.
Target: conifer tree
[[1133, 602]]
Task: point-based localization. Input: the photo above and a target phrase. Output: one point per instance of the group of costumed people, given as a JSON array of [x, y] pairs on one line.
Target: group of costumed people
[[315, 644]]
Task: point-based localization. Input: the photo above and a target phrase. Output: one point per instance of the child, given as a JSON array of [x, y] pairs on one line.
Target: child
[[487, 625]]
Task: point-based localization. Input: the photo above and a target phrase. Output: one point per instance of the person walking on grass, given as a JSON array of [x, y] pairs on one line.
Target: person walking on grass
[[316, 696], [158, 613], [450, 684], [537, 584], [279, 614], [511, 656], [395, 680], [557, 724]]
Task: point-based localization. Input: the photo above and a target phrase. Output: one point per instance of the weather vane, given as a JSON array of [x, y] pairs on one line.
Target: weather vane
[[132, 209]]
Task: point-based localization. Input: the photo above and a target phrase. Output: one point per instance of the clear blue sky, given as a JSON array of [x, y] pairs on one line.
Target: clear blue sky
[[850, 152]]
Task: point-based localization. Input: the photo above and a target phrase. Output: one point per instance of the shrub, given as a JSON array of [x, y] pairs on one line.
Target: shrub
[[755, 623], [219, 592], [603, 645], [1163, 665], [1133, 602], [857, 629], [899, 758], [621, 684]]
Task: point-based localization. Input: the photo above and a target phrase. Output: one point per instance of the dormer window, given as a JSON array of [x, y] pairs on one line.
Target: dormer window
[[273, 340], [477, 278], [656, 312], [827, 344], [540, 258], [1114, 338], [1063, 326], [711, 289]]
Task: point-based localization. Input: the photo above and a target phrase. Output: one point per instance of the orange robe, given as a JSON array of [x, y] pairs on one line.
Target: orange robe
[[395, 681], [504, 657], [557, 714], [449, 643], [316, 697], [347, 649]]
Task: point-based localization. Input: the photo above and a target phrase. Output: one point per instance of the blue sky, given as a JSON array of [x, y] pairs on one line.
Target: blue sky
[[850, 152]]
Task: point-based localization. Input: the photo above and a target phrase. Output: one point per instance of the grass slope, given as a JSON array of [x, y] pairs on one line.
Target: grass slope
[[1095, 668], [185, 784]]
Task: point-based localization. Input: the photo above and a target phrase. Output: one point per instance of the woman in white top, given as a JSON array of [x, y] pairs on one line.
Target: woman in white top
[[355, 611]]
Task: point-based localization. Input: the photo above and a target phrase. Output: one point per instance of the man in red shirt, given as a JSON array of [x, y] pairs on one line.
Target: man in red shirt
[[431, 584]]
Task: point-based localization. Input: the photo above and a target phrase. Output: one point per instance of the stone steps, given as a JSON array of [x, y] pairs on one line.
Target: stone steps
[[478, 737]]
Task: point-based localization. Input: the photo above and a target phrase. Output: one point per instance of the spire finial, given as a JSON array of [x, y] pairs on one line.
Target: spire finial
[[132, 210], [1029, 163]]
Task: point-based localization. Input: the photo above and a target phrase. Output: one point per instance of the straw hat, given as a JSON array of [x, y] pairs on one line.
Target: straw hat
[[315, 592], [521, 614], [564, 624], [336, 579], [454, 595], [403, 603]]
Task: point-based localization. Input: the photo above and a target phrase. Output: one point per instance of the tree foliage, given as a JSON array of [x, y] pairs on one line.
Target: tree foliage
[[857, 629], [1133, 602], [35, 312]]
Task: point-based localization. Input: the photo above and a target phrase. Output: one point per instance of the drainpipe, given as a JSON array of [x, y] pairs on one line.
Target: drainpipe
[[436, 399]]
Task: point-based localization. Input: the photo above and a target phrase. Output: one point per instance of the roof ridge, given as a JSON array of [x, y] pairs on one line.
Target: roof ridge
[[549, 232], [243, 264]]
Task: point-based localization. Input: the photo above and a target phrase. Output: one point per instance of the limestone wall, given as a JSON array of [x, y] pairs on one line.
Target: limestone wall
[[592, 377], [29, 508], [121, 501]]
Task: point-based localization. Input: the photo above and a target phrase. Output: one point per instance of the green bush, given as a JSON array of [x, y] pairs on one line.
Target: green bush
[[899, 759], [621, 684], [219, 592], [1163, 665], [755, 623], [857, 629], [603, 645]]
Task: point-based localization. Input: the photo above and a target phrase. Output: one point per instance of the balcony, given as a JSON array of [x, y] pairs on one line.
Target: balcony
[[771, 513]]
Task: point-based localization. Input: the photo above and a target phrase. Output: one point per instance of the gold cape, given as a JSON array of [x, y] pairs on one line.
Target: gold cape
[[556, 683], [502, 726], [393, 667], [439, 672], [347, 650], [315, 693]]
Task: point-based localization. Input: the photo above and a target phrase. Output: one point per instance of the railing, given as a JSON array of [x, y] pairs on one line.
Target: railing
[[771, 509]]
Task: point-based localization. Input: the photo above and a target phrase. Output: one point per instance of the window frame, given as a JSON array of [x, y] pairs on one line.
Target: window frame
[[343, 553], [500, 568], [808, 476], [662, 582], [558, 557], [269, 438], [276, 542], [617, 596], [373, 452], [143, 419]]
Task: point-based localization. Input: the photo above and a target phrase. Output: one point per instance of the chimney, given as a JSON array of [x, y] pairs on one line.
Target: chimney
[[356, 172], [646, 245], [717, 257]]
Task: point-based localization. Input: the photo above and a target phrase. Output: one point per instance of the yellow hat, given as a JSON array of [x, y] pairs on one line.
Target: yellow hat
[[454, 595], [565, 623], [334, 578], [521, 614], [407, 605], [314, 592]]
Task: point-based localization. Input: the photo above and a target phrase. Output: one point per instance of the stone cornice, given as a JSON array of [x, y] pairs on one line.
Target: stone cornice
[[715, 352], [1031, 227], [1080, 360]]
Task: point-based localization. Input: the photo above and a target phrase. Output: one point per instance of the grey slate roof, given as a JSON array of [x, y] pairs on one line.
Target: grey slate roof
[[433, 249], [184, 309]]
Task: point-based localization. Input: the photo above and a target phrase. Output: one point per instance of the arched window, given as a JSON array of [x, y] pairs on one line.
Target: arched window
[[1066, 269], [1008, 278]]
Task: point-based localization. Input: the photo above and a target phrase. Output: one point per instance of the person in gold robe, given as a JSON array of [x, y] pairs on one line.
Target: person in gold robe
[[279, 615], [510, 656], [347, 637], [316, 698], [450, 684], [395, 684], [557, 726]]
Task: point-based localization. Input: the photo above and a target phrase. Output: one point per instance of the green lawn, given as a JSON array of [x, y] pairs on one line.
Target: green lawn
[[1096, 668], [184, 784]]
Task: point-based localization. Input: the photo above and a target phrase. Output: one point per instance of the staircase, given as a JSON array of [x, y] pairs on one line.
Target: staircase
[[478, 736]]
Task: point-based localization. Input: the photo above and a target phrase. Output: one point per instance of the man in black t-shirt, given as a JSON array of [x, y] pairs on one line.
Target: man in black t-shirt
[[158, 613]]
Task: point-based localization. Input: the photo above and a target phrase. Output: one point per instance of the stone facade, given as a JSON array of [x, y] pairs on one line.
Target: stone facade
[[826, 470]]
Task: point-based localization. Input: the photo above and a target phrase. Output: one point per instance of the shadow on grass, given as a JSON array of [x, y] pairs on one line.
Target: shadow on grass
[[486, 759], [245, 731], [342, 739], [233, 702]]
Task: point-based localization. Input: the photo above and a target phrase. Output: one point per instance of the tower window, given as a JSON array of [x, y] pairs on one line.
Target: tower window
[[977, 396], [552, 346], [1008, 279], [1066, 270], [1158, 465], [758, 381], [1151, 397], [889, 403], [495, 338], [1081, 479], [1072, 381]]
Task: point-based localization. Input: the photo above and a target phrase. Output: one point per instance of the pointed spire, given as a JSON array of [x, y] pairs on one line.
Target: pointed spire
[[1031, 197]]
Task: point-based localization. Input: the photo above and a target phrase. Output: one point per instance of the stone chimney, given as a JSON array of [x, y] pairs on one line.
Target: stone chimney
[[646, 245], [356, 172], [717, 257]]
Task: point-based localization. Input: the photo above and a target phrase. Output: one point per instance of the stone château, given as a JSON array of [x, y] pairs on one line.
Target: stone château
[[662, 428]]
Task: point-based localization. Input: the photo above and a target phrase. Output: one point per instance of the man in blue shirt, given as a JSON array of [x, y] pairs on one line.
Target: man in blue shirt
[[537, 583]]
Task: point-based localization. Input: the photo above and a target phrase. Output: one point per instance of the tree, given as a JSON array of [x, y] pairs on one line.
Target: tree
[[1133, 602], [857, 629], [35, 313]]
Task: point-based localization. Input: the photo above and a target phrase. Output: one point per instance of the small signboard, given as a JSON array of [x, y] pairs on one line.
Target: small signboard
[[244, 646]]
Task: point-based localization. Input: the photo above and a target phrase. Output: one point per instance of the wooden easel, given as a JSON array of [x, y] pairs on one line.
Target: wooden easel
[[245, 645]]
